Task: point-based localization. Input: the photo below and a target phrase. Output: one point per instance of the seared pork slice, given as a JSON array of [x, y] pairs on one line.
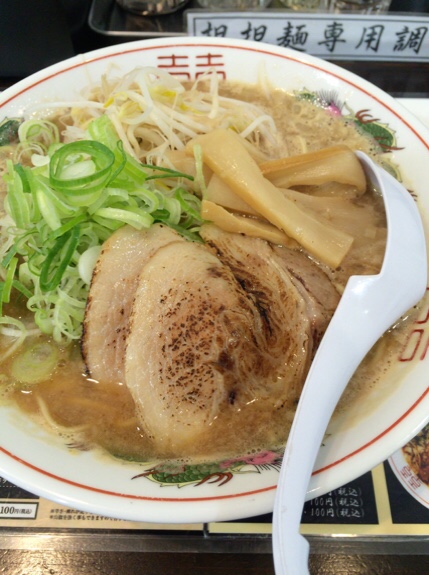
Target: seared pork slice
[[261, 273], [199, 344], [111, 294], [320, 294]]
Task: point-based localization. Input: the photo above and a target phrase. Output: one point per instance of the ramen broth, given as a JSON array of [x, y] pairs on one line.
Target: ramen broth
[[89, 413]]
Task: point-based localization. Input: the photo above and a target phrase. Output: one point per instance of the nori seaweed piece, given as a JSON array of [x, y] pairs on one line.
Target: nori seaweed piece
[[9, 132]]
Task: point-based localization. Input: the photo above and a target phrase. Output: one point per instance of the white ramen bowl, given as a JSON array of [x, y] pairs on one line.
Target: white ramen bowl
[[373, 428]]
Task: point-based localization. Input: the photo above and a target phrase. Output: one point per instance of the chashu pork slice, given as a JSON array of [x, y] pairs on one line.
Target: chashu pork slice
[[320, 294], [281, 304], [113, 285], [200, 344]]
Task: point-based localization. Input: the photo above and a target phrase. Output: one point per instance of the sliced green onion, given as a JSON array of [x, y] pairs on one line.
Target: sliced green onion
[[60, 173], [68, 226], [174, 212], [7, 285], [107, 224], [87, 263], [42, 316], [132, 173], [19, 333], [21, 288], [17, 202], [52, 206], [64, 248], [167, 173], [47, 209], [44, 132], [189, 203], [36, 363], [22, 174], [106, 197], [190, 234], [152, 199], [9, 255], [120, 160], [137, 220], [161, 215]]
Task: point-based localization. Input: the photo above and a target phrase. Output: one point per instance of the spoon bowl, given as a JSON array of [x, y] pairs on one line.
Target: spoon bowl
[[368, 307]]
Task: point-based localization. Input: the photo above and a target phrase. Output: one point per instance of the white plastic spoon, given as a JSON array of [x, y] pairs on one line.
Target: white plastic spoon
[[368, 307]]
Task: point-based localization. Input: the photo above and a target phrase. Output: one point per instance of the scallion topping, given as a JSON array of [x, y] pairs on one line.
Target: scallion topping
[[66, 205], [58, 258]]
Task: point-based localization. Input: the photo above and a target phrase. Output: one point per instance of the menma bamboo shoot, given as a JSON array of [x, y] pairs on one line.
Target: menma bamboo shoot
[[223, 152]]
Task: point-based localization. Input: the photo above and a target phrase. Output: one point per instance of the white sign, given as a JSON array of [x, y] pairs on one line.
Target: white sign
[[15, 510], [330, 36]]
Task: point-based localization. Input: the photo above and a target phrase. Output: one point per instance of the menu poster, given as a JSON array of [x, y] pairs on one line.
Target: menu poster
[[354, 504]]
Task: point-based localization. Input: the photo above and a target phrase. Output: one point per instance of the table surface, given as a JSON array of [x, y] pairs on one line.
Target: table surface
[[69, 551], [60, 563]]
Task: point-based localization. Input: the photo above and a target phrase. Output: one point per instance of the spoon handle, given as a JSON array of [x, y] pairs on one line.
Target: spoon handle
[[368, 307], [343, 346]]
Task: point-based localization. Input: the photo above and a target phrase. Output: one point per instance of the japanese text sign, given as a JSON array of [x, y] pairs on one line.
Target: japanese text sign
[[338, 37]]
